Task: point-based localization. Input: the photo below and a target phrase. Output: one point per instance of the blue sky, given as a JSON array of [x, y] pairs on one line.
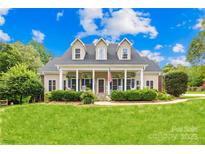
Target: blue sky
[[161, 34]]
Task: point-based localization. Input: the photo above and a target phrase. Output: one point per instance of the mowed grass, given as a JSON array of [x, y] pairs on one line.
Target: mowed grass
[[195, 92], [182, 123]]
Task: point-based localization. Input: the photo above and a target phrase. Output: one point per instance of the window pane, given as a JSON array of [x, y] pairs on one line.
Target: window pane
[[147, 83], [128, 84], [125, 53], [54, 84], [151, 84], [101, 53], [73, 86], [133, 83], [50, 85], [64, 84], [114, 84], [77, 53]]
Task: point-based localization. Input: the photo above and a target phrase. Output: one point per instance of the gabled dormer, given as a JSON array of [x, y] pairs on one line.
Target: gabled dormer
[[101, 51], [124, 49], [78, 49]]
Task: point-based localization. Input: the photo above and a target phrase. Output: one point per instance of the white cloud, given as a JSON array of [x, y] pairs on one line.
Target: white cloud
[[158, 46], [115, 23], [87, 20], [4, 37], [155, 56], [179, 61], [198, 24], [178, 48], [3, 12], [2, 20], [38, 36], [58, 15]]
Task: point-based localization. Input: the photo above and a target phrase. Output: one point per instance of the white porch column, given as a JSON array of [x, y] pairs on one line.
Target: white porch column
[[125, 80], [93, 85], [60, 79], [77, 80], [108, 83], [141, 79]]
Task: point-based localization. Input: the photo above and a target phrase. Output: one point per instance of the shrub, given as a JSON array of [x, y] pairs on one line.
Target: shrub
[[88, 97], [163, 96], [64, 95], [176, 83], [118, 95], [148, 94], [134, 95]]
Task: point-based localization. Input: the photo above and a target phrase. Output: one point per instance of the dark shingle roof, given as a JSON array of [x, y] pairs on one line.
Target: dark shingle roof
[[90, 58]]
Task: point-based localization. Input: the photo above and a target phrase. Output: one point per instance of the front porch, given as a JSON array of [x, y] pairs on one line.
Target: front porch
[[101, 81]]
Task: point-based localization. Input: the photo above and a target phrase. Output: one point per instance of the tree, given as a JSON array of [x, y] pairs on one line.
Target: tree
[[169, 68], [19, 82], [176, 83], [45, 55], [196, 51], [11, 54]]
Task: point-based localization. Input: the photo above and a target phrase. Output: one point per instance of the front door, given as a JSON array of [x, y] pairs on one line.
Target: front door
[[101, 85]]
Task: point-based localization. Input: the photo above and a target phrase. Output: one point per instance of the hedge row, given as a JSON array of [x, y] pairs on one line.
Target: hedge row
[[64, 95], [134, 95]]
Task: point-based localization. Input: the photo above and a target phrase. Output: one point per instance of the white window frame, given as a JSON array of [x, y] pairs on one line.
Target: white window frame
[[149, 84], [101, 53], [123, 53], [132, 80], [118, 83], [77, 53], [52, 86]]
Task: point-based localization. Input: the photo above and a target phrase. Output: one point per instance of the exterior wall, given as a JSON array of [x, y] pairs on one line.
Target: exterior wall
[[103, 74], [124, 44], [101, 44], [79, 45], [151, 77], [48, 77]]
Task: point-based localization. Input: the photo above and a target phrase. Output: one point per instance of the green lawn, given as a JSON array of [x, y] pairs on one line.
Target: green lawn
[[195, 92], [182, 123]]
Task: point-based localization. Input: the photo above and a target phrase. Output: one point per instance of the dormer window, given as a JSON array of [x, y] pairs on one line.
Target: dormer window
[[101, 53], [125, 53], [77, 53]]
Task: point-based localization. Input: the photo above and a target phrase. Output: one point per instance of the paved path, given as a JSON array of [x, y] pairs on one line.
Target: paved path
[[106, 103], [197, 95]]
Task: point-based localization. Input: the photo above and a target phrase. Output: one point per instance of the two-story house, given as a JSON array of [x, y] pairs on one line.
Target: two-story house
[[102, 67]]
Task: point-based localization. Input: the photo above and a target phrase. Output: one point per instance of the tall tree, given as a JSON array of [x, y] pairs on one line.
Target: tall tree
[[14, 53], [169, 68], [45, 55], [196, 51]]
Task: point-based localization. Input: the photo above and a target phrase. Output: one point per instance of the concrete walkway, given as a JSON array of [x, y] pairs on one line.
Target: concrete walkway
[[197, 95], [106, 103]]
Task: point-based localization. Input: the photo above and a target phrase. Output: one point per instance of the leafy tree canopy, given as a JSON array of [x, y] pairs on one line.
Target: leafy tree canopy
[[14, 53], [19, 82], [45, 55], [196, 51]]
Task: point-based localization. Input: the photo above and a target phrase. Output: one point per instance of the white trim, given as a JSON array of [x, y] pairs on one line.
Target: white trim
[[125, 80], [98, 85], [77, 76], [77, 39], [141, 79], [93, 81], [60, 79], [100, 40], [125, 39]]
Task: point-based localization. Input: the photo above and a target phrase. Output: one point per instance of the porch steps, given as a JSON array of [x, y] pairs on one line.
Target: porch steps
[[102, 97]]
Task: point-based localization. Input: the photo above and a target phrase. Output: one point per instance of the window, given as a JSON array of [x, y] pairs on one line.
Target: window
[[87, 83], [64, 85], [130, 84], [101, 53], [137, 84], [150, 84], [51, 85], [125, 53], [116, 84], [77, 53]]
